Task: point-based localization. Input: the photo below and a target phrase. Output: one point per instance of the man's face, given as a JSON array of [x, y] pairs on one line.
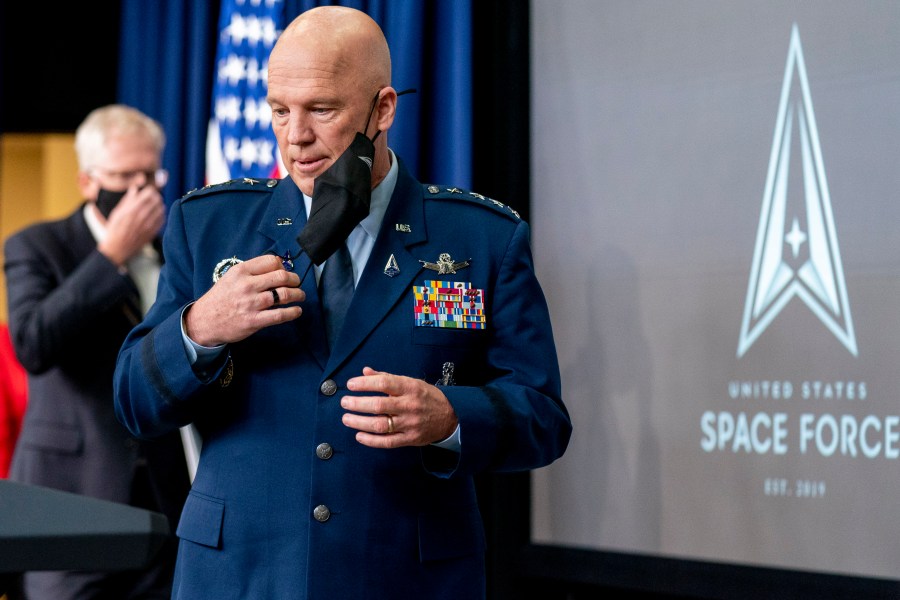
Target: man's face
[[318, 105], [128, 160]]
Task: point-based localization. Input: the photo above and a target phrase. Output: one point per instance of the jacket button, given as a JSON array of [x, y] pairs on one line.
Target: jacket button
[[324, 451], [328, 387], [321, 513]]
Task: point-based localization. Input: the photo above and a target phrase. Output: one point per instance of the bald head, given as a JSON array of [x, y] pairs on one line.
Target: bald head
[[330, 77], [347, 38]]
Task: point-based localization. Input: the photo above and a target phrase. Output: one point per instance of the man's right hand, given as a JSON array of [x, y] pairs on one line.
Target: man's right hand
[[135, 221], [241, 302]]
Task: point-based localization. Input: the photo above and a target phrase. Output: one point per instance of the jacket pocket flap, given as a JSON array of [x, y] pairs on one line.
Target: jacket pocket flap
[[201, 520]]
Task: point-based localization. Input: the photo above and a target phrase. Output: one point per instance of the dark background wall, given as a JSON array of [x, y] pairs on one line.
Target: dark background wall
[[57, 63]]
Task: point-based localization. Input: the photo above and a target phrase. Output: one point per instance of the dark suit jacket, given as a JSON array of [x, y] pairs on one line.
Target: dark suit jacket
[[286, 503], [69, 311]]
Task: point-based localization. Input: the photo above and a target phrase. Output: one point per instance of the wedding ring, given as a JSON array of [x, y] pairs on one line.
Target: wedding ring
[[390, 424], [275, 297]]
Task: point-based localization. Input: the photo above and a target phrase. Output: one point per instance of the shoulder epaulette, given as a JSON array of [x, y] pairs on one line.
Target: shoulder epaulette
[[233, 185], [454, 193]]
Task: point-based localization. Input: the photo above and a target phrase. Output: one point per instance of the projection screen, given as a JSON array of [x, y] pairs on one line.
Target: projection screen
[[716, 224]]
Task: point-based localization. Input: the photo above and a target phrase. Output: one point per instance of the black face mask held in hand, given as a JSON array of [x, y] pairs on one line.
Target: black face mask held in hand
[[340, 200], [341, 196], [107, 201]]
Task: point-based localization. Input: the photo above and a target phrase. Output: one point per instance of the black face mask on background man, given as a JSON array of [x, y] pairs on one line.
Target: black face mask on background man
[[107, 201]]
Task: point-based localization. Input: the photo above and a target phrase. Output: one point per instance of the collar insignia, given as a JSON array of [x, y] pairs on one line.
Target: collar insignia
[[392, 269]]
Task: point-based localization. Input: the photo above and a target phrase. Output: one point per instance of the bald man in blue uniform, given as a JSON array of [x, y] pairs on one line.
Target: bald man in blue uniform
[[342, 467]]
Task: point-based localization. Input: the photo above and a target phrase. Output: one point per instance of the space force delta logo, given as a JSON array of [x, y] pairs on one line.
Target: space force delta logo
[[796, 253]]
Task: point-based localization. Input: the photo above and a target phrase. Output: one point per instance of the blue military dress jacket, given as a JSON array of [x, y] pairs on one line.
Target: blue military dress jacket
[[285, 503]]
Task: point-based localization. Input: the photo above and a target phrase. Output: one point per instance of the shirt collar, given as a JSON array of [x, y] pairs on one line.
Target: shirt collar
[[98, 229]]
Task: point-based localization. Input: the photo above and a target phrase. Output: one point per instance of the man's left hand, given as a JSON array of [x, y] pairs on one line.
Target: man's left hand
[[410, 413]]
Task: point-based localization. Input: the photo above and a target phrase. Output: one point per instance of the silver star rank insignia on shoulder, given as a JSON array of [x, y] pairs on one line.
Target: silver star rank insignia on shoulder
[[446, 265]]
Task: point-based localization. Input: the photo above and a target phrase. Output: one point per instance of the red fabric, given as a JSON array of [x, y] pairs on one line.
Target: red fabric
[[13, 394]]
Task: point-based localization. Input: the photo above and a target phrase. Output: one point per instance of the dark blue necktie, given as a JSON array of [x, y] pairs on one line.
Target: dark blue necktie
[[336, 291]]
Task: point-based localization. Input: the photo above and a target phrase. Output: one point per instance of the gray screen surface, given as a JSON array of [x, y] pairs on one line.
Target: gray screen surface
[[715, 211]]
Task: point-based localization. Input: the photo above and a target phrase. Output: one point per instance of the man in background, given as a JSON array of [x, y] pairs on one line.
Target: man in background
[[76, 287]]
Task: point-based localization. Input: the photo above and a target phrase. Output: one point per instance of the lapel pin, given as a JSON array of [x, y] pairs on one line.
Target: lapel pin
[[282, 221], [286, 261], [402, 227], [392, 269]]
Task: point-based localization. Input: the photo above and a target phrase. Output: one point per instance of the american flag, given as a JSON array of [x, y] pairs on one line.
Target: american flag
[[240, 142]]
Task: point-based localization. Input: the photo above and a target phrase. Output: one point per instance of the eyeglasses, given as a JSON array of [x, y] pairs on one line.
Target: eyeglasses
[[122, 179]]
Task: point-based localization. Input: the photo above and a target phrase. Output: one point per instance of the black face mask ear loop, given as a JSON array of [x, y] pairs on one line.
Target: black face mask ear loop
[[365, 129], [372, 110]]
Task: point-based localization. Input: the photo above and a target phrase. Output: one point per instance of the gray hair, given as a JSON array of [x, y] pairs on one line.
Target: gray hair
[[110, 121]]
